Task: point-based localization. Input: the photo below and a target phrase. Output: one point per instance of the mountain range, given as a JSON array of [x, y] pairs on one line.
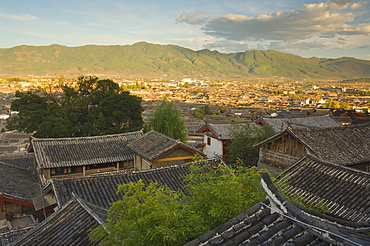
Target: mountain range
[[145, 60]]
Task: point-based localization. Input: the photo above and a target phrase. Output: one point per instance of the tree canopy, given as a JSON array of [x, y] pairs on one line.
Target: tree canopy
[[244, 136], [92, 107], [336, 104], [156, 215], [167, 119]]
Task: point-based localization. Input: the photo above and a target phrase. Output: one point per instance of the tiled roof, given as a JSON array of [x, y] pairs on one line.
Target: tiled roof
[[101, 189], [9, 236], [280, 124], [345, 190], [154, 144], [277, 221], [346, 145], [18, 182], [24, 160], [69, 225], [222, 131], [65, 152]]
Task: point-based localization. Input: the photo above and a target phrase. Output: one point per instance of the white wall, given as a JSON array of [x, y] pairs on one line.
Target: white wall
[[215, 149]]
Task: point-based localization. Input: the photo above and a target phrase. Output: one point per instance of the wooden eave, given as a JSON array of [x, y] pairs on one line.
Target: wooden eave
[[173, 149], [208, 129]]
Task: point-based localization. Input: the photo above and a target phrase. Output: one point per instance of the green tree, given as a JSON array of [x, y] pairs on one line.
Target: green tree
[[333, 104], [336, 104], [166, 119], [244, 136], [32, 109], [223, 109], [156, 215], [206, 109], [93, 107], [199, 113]]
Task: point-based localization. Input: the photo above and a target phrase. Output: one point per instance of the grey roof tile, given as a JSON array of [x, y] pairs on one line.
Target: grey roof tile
[[18, 182], [79, 151], [280, 124], [345, 190], [69, 225], [154, 144]]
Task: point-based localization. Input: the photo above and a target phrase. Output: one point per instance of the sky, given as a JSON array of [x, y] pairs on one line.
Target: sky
[[325, 29]]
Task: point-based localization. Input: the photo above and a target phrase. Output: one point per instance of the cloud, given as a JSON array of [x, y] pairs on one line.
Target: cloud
[[226, 46], [193, 18], [358, 4], [279, 45], [327, 19], [22, 17]]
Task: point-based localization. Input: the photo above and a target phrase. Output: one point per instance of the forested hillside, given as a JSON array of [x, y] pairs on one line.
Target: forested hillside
[[145, 60]]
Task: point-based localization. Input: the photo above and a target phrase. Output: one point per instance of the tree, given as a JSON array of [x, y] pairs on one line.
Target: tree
[[223, 109], [199, 113], [244, 136], [333, 104], [93, 107], [167, 119], [32, 109], [336, 104], [156, 215]]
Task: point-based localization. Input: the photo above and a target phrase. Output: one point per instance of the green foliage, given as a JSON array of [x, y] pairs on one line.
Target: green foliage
[[244, 136], [156, 215], [167, 119], [336, 104], [149, 215], [93, 107], [137, 85], [199, 113], [153, 60], [219, 193], [223, 109], [277, 92]]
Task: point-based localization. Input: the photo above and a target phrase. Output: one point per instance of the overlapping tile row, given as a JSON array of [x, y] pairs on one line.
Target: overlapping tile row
[[154, 144], [7, 237], [344, 190], [24, 160], [69, 225], [18, 182], [101, 189], [345, 145], [65, 152], [278, 124]]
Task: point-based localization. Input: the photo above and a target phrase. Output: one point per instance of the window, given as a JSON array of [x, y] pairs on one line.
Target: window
[[102, 165], [208, 141], [63, 170]]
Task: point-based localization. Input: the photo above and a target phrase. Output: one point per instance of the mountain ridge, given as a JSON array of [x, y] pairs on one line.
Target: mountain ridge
[[146, 60]]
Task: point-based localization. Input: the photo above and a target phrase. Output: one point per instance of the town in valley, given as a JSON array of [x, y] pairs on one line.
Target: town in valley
[[318, 140]]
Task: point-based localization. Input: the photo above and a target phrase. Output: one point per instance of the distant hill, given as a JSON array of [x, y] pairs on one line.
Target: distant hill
[[145, 60]]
